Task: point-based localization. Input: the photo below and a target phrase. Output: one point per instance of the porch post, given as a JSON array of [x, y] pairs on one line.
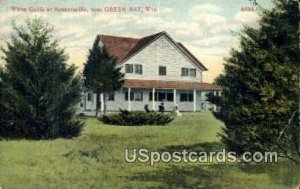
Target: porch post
[[129, 103], [195, 101], [84, 100], [215, 107], [153, 99], [92, 107], [102, 102], [174, 97]]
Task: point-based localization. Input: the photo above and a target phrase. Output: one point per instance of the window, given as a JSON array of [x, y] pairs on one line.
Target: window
[[111, 97], [138, 69], [151, 96], [170, 96], [128, 68], [188, 72], [162, 70], [192, 72], [138, 96], [184, 72], [186, 97], [161, 96], [131, 95], [89, 97], [183, 97], [134, 96], [134, 68], [190, 97]]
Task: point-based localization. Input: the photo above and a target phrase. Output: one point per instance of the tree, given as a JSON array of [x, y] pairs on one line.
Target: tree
[[259, 102], [101, 73], [39, 91]]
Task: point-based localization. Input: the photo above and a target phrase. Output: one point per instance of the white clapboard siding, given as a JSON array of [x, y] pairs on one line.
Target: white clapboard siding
[[162, 53]]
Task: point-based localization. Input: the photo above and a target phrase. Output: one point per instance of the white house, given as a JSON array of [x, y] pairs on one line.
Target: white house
[[157, 68]]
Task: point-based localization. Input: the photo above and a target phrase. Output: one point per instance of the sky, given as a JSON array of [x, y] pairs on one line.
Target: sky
[[208, 28]]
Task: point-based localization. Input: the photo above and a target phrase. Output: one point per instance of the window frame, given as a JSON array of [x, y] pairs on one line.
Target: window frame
[[131, 96], [184, 73], [127, 66], [112, 94], [136, 69], [138, 94], [189, 97], [190, 72], [157, 96], [160, 71], [187, 72], [89, 97], [134, 96], [171, 95]]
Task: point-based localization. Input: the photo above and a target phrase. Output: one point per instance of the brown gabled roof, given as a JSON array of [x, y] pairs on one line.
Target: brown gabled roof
[[157, 84], [118, 46], [124, 48]]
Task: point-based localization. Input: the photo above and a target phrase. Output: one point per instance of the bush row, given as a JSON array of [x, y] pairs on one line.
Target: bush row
[[137, 118]]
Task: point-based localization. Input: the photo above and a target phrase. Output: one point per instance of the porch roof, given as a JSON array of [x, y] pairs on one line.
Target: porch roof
[[157, 84]]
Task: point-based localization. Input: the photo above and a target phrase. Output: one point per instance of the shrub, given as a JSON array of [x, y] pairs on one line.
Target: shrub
[[137, 118]]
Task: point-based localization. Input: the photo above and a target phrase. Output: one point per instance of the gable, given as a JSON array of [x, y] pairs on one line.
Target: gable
[[162, 53], [179, 46]]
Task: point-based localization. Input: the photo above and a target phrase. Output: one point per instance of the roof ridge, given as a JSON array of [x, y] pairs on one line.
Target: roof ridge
[[105, 35], [156, 34]]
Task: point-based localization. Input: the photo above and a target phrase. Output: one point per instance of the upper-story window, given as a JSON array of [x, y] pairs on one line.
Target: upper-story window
[[128, 68], [184, 72], [191, 72], [134, 68], [138, 69], [162, 70]]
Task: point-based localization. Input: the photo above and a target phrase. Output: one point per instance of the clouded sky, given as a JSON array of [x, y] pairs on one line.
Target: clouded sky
[[205, 27]]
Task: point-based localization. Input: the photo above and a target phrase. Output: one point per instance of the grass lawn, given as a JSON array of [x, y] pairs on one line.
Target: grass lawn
[[96, 160]]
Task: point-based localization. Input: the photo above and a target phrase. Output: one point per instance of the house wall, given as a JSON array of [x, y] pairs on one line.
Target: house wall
[[120, 102], [162, 53]]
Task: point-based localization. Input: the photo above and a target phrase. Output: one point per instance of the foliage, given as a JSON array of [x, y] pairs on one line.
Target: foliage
[[259, 102], [100, 72], [137, 118], [39, 91]]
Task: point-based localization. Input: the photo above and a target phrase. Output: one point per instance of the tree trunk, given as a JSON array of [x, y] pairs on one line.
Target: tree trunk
[[104, 103], [97, 104]]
